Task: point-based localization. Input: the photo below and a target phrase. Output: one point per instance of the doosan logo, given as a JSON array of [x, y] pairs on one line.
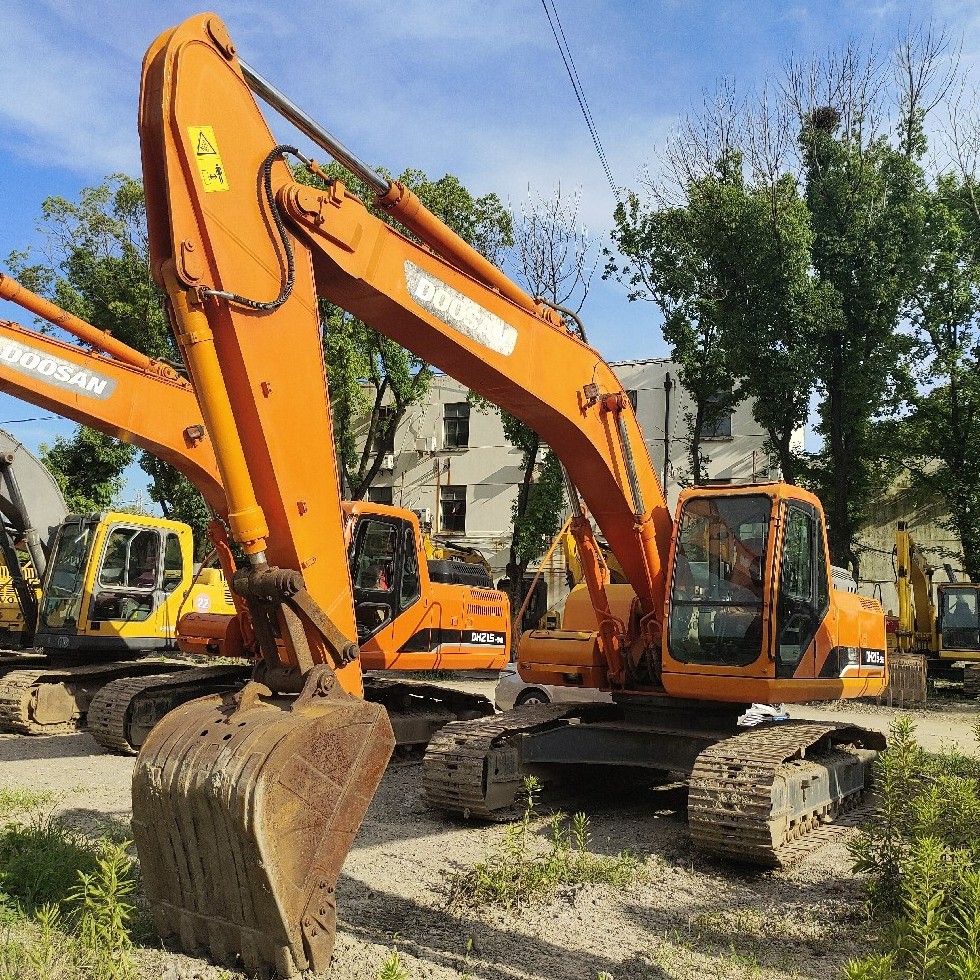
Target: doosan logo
[[460, 312], [55, 370]]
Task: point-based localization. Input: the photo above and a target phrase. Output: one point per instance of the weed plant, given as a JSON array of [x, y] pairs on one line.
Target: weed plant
[[519, 869], [65, 902], [17, 800], [921, 853], [392, 968]]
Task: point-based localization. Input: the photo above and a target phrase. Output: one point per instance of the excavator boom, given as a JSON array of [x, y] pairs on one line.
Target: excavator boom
[[156, 413]]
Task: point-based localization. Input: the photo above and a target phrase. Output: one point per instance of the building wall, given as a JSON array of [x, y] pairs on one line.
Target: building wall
[[876, 541], [489, 468], [662, 408]]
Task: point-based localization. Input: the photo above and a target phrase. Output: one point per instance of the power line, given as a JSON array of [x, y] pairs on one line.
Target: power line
[[40, 418], [566, 56]]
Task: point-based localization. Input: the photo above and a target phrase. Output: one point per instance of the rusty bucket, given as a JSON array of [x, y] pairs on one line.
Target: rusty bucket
[[244, 808]]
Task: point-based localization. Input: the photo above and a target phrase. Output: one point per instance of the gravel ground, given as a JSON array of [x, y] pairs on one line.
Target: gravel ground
[[689, 918]]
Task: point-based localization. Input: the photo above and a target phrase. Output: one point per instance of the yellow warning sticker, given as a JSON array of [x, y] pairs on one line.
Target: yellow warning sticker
[[205, 148]]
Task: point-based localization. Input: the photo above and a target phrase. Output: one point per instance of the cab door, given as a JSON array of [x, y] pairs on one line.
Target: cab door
[[128, 585], [383, 586], [804, 592]]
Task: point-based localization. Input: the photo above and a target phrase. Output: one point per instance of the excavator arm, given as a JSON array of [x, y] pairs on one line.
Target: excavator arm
[[234, 258]]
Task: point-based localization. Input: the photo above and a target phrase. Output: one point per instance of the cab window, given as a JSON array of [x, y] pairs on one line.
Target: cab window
[[62, 597], [718, 582], [374, 556], [173, 563], [129, 575], [374, 574], [411, 586]]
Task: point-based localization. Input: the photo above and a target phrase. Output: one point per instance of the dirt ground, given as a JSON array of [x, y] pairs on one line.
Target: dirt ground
[[689, 918]]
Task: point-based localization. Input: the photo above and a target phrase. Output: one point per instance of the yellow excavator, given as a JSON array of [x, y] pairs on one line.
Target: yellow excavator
[[938, 622], [113, 584], [245, 805]]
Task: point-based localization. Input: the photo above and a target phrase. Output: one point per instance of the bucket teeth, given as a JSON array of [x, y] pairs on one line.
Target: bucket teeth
[[243, 816]]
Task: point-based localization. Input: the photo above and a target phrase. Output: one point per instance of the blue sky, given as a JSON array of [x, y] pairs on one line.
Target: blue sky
[[473, 89]]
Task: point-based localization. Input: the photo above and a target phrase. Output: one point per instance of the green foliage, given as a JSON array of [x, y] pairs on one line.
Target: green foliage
[[937, 441], [88, 468], [866, 198], [97, 264], [40, 862], [519, 870], [670, 261], [15, 800], [44, 952], [730, 269], [922, 858], [178, 498], [392, 968], [69, 897], [536, 513]]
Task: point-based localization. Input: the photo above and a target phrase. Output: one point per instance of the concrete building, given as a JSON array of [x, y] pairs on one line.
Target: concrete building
[[926, 517], [451, 462]]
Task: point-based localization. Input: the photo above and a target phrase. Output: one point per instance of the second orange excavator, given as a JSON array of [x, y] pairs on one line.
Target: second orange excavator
[[409, 617], [245, 807]]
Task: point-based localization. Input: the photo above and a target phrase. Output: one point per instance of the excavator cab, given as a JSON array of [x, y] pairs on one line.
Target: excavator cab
[[959, 620], [116, 583], [415, 612], [384, 570], [752, 602]]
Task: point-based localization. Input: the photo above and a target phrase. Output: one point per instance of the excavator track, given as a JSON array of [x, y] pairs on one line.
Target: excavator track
[[462, 769], [53, 701], [418, 710], [766, 795], [123, 712], [763, 796]]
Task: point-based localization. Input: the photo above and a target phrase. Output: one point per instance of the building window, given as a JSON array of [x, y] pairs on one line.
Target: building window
[[721, 426], [384, 432], [452, 509], [380, 495], [631, 395], [457, 425]]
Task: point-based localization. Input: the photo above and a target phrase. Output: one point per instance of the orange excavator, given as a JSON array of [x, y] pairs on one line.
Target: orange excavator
[[409, 615], [245, 806]]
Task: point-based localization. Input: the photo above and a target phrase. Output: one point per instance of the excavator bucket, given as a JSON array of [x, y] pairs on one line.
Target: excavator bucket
[[245, 807]]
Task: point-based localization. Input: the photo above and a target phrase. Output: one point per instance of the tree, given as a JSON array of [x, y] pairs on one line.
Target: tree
[[537, 510], [96, 266], [355, 353], [865, 191], [555, 259], [668, 251], [178, 499], [88, 468], [722, 245], [937, 442]]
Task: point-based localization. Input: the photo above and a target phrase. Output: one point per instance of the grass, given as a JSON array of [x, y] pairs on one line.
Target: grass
[[519, 869], [18, 800], [65, 899]]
